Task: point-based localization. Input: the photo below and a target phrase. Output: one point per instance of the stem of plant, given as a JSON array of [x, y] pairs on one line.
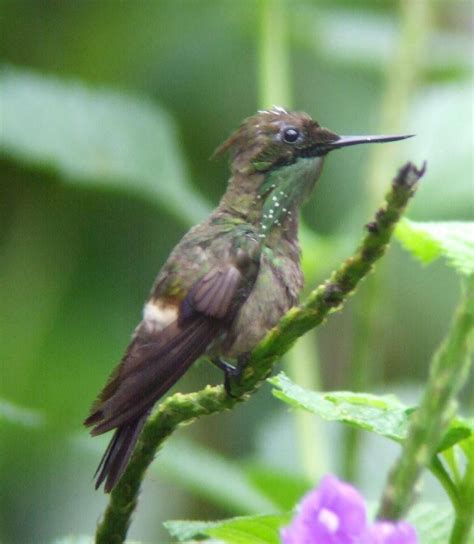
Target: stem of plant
[[444, 479], [463, 524], [448, 372], [303, 366], [274, 62]]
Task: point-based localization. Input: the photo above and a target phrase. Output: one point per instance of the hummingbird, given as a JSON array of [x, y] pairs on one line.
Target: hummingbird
[[227, 282]]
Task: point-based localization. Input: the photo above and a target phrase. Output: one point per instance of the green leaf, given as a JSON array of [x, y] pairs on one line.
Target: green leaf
[[432, 522], [283, 489], [96, 137], [258, 529], [460, 429], [453, 240], [467, 445], [383, 415], [367, 39], [13, 413], [446, 193], [184, 530], [241, 530]]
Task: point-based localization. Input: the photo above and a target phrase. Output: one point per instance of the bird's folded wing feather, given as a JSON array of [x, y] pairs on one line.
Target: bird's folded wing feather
[[153, 364]]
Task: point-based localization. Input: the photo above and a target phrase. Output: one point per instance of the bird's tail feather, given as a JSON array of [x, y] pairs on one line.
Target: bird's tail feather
[[118, 452], [148, 370]]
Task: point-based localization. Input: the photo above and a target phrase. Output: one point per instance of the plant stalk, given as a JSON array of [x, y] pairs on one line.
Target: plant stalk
[[448, 372]]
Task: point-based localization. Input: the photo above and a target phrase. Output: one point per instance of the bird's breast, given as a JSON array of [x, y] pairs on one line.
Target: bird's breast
[[276, 290]]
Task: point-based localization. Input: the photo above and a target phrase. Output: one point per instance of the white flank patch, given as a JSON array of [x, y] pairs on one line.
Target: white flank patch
[[156, 316]]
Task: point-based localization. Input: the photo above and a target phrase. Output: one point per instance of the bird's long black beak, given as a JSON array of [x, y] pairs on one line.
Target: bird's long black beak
[[345, 141]]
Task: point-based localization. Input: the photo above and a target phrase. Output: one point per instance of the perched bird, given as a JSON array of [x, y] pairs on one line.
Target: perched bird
[[228, 281]]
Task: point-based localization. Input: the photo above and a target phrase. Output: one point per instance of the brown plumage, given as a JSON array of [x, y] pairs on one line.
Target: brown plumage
[[228, 281], [159, 355]]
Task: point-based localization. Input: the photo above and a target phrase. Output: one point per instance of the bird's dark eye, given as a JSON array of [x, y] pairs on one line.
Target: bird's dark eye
[[290, 135]]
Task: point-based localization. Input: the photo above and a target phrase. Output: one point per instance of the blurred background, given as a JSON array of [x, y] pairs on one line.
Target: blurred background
[[110, 111]]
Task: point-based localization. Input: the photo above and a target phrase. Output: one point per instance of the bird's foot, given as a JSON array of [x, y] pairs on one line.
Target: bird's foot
[[231, 373]]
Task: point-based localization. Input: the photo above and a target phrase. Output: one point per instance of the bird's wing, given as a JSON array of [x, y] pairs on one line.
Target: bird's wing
[[153, 364]]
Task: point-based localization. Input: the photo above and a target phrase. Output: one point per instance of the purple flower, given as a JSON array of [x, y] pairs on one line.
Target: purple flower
[[335, 513], [389, 532]]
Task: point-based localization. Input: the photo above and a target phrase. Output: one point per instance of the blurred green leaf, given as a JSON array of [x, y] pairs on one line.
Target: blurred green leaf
[[383, 415], [257, 529], [205, 472], [453, 240], [13, 413], [212, 476], [184, 530], [243, 530], [283, 489], [444, 140], [96, 137], [460, 431], [70, 539], [367, 39], [432, 522], [319, 253], [467, 445]]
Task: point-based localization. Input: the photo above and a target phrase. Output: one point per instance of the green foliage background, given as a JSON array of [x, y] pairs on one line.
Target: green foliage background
[[109, 112]]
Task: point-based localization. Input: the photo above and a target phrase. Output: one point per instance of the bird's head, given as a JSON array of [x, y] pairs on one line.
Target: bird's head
[[283, 153], [277, 137]]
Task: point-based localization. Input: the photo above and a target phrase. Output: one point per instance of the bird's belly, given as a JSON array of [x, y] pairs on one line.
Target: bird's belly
[[274, 293]]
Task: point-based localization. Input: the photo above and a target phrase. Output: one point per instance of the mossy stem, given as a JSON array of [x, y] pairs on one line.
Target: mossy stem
[[448, 372]]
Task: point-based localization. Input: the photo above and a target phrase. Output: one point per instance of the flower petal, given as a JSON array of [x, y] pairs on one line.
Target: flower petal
[[334, 513], [388, 532]]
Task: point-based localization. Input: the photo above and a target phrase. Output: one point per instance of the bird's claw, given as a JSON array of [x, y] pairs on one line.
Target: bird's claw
[[231, 373]]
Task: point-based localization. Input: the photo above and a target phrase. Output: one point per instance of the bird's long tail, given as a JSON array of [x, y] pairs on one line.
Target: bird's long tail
[[130, 394], [118, 452], [154, 362]]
